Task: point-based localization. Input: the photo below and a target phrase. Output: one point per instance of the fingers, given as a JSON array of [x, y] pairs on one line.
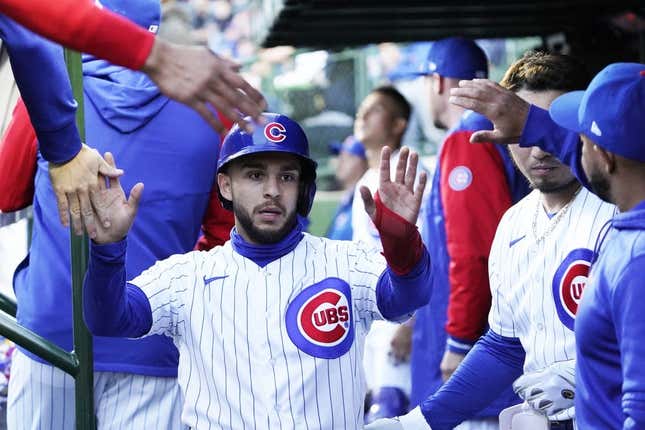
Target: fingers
[[63, 207], [368, 201], [108, 170], [209, 116], [399, 174], [135, 197], [75, 213], [421, 186], [384, 167], [411, 172], [113, 181], [87, 213]]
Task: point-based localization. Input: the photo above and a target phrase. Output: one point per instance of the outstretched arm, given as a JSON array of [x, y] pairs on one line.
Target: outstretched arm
[[405, 285], [517, 122], [191, 75]]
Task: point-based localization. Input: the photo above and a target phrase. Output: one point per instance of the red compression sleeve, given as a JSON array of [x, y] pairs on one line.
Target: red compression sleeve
[[18, 150], [85, 27], [402, 245], [475, 195]]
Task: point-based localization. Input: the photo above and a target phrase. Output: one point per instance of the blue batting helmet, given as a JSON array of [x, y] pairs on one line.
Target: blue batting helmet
[[278, 134]]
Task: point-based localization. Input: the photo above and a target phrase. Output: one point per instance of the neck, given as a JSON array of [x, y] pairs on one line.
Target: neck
[[452, 116], [556, 200], [374, 155], [626, 197]]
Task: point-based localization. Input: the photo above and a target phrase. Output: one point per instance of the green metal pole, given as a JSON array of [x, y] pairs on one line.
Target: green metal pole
[[38, 345], [85, 419]]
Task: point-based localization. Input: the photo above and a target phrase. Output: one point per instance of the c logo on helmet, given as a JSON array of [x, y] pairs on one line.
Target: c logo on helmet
[[569, 282], [275, 132], [319, 319]]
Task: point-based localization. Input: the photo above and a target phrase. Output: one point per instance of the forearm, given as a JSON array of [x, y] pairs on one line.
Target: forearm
[[490, 368], [541, 131], [49, 100], [111, 306], [84, 27], [397, 296]]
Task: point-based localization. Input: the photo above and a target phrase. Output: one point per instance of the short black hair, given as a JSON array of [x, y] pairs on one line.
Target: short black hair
[[402, 108], [544, 71]]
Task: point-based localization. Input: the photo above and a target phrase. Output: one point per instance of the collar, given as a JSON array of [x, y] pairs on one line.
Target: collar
[[265, 254]]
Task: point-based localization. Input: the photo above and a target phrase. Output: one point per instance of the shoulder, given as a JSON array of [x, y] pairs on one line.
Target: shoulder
[[520, 211]]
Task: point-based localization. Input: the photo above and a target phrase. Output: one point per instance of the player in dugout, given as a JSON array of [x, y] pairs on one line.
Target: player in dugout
[[539, 264], [598, 133], [271, 325]]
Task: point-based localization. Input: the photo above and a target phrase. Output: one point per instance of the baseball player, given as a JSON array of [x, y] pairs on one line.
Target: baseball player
[[538, 270], [270, 326]]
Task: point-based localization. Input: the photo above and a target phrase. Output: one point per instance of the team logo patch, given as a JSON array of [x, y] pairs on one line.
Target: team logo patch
[[460, 178], [569, 283], [275, 132], [319, 319]]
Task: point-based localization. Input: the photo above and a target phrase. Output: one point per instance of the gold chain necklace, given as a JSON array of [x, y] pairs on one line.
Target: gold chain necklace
[[553, 222]]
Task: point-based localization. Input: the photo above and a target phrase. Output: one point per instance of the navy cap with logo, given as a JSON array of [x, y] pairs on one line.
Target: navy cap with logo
[[144, 13], [611, 111], [455, 57]]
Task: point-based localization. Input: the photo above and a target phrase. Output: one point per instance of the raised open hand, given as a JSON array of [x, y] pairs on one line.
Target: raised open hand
[[399, 194], [505, 109], [111, 199]]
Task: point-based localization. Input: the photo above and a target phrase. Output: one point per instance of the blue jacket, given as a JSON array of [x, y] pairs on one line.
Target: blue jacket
[[156, 141], [483, 183], [610, 330]]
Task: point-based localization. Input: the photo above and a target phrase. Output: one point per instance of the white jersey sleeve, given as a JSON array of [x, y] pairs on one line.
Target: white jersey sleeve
[[166, 284]]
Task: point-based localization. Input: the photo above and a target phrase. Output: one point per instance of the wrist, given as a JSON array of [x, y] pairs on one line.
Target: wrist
[[155, 59], [459, 346]]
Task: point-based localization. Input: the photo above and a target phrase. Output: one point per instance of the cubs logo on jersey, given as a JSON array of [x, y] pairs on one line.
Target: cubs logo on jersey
[[275, 132], [319, 320], [569, 282]]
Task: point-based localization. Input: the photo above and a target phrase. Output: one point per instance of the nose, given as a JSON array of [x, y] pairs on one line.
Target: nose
[[538, 154], [271, 187]]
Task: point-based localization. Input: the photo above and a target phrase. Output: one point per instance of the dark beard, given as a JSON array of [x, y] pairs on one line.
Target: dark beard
[[259, 236], [548, 188], [600, 187]]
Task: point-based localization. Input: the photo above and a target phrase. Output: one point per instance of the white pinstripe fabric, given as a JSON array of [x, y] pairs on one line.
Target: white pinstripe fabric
[[42, 397], [238, 368], [522, 271]]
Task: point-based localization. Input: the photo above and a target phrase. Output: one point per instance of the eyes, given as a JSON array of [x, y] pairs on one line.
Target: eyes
[[259, 175]]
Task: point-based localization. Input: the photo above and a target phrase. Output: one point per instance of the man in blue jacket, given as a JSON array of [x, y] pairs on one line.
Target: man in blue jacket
[[172, 149]]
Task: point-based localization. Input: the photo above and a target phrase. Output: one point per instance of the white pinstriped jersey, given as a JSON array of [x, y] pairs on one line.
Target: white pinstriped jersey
[[277, 347], [536, 285]]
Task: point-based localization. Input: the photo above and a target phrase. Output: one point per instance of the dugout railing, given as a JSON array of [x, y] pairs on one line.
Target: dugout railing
[[79, 362]]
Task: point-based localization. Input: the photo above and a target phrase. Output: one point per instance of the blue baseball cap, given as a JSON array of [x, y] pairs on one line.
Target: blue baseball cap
[[350, 145], [455, 57], [144, 13], [611, 111]]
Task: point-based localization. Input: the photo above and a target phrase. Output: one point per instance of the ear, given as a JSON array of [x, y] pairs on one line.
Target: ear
[[224, 184], [438, 84], [399, 125], [607, 159]]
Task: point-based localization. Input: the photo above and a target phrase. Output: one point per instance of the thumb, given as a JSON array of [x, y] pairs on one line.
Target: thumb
[[109, 169], [493, 136], [368, 201], [135, 197]]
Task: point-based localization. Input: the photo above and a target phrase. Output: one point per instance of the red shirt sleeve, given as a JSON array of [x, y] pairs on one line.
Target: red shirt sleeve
[[475, 195], [85, 27], [17, 161]]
